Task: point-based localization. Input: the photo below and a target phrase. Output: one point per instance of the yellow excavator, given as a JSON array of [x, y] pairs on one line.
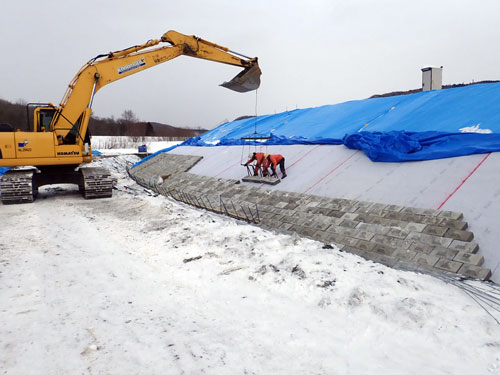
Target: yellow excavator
[[58, 142]]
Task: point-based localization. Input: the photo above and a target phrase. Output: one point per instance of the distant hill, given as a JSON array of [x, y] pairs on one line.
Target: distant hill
[[16, 115]]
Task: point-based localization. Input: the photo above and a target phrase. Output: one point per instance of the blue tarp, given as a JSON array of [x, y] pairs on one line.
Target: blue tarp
[[426, 125]]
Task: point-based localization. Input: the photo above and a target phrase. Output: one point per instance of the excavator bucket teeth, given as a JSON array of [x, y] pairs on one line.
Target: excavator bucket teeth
[[247, 80]]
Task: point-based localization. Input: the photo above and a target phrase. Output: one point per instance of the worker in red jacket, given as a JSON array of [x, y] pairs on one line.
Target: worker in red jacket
[[261, 162], [273, 161]]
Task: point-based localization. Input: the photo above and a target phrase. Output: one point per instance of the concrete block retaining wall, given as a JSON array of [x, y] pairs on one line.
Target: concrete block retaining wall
[[409, 238]]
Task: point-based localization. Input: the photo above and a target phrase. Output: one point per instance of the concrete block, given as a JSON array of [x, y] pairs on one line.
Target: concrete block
[[451, 215], [432, 220], [406, 266], [376, 209], [474, 259], [429, 239], [444, 252], [404, 255], [385, 260], [420, 211], [319, 224], [287, 219], [291, 206], [415, 227], [392, 215], [281, 204], [375, 228], [366, 245], [322, 211], [412, 218], [285, 226], [349, 223], [425, 259], [350, 241], [466, 247], [448, 265], [348, 216], [474, 272], [363, 204], [302, 221], [394, 208], [398, 233], [356, 233], [354, 250], [391, 241], [303, 231], [461, 235], [346, 231], [362, 234], [336, 238], [261, 180], [383, 249], [434, 230], [312, 203], [321, 235], [381, 221], [334, 213], [350, 208], [455, 224]]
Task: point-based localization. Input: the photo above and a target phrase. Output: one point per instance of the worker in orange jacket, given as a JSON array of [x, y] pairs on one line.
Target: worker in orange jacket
[[273, 161], [259, 157]]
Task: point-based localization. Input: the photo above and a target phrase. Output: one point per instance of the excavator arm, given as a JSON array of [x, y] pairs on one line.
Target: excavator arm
[[74, 111]]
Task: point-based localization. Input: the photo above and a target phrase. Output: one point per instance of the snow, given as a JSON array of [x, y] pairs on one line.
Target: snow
[[475, 129], [112, 145], [141, 284]]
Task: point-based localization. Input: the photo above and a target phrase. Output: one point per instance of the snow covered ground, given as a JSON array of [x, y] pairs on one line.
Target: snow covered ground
[[139, 284], [111, 145]]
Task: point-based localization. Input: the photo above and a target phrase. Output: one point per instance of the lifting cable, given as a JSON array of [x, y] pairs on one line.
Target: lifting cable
[[486, 295]]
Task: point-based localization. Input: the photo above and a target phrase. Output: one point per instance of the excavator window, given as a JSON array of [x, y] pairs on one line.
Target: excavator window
[[45, 118], [72, 136]]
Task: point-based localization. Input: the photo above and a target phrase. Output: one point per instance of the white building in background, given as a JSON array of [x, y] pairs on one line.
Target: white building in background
[[432, 78]]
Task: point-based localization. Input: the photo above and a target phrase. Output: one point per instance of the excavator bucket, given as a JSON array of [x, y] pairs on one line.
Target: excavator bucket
[[247, 80]]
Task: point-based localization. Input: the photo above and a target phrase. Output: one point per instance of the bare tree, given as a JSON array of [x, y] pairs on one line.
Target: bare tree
[[128, 117]]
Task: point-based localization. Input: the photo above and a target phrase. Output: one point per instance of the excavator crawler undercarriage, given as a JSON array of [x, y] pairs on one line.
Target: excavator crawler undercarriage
[[21, 185]]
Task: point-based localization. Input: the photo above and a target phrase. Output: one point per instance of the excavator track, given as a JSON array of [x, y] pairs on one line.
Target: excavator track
[[16, 186], [96, 183]]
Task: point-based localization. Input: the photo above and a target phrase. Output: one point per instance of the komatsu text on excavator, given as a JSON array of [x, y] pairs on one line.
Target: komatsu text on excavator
[[58, 142]]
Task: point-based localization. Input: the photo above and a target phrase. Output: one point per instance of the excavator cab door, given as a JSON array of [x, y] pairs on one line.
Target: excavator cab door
[[43, 118]]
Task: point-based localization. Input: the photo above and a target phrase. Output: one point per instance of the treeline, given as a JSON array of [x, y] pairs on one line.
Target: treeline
[[16, 115]]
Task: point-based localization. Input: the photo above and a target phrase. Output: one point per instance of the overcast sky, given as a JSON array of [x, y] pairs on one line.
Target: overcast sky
[[311, 53]]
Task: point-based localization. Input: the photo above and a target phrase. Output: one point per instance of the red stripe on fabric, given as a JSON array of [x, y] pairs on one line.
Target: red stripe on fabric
[[463, 182], [227, 168], [329, 173], [303, 156]]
